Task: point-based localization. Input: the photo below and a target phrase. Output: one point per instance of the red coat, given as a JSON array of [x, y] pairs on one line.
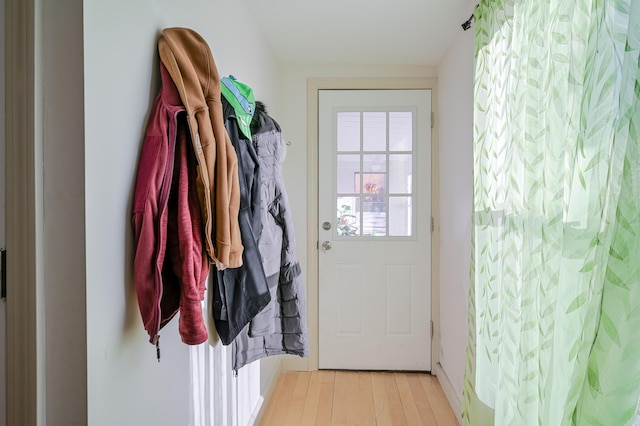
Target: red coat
[[170, 264]]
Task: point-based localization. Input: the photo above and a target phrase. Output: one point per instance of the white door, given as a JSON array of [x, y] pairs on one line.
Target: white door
[[375, 233]]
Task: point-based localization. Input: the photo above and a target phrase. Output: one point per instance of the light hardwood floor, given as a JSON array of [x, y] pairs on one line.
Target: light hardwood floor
[[357, 398]]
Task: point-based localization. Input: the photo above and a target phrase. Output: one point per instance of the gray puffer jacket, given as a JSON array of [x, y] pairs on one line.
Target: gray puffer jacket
[[281, 327]]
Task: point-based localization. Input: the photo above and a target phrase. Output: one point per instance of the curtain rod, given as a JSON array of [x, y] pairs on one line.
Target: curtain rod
[[467, 24]]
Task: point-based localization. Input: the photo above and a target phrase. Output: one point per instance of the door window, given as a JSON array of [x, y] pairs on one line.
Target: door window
[[374, 154]]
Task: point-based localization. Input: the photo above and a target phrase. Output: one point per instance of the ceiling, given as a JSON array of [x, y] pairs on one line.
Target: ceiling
[[407, 32]]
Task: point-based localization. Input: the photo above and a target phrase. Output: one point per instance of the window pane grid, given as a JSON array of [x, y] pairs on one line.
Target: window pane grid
[[380, 203]]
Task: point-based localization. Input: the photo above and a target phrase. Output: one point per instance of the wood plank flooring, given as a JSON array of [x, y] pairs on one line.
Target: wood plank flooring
[[357, 398]]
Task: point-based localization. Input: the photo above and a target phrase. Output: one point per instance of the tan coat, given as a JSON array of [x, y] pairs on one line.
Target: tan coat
[[190, 63]]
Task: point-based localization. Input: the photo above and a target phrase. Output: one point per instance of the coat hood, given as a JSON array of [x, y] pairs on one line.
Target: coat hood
[[190, 63]]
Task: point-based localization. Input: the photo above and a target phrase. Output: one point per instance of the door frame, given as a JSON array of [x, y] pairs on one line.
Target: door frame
[[314, 85], [23, 130]]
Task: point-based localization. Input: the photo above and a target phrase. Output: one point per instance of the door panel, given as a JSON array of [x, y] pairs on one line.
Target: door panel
[[375, 237]]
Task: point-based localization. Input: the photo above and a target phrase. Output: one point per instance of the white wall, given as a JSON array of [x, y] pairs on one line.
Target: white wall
[[126, 385], [292, 117], [65, 359], [455, 81]]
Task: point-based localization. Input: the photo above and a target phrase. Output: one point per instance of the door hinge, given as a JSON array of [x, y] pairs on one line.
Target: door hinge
[[433, 118], [432, 225], [432, 329], [3, 274]]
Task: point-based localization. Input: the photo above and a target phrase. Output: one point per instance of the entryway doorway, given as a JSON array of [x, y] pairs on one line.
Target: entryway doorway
[[374, 214]]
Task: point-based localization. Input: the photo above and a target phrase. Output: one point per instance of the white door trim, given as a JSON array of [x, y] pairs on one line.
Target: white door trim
[[313, 86], [24, 214]]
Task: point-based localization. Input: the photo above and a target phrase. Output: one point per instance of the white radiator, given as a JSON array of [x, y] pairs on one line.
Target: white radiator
[[218, 396]]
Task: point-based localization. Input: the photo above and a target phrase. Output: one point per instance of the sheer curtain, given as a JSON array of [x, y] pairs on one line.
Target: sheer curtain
[[554, 318]]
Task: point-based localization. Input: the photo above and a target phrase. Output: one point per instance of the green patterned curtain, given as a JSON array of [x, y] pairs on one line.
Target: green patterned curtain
[[554, 315]]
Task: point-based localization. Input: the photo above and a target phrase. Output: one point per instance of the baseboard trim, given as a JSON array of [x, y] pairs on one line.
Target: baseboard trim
[[449, 392], [256, 417]]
